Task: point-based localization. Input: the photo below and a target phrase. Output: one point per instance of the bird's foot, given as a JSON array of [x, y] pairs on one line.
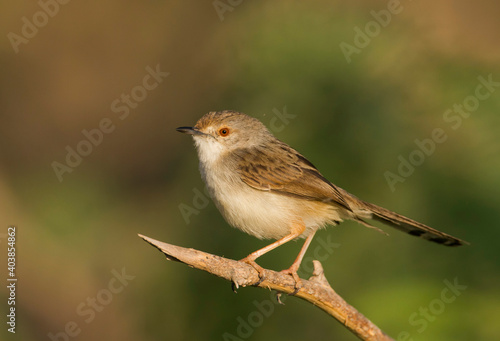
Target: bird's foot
[[292, 271], [257, 267]]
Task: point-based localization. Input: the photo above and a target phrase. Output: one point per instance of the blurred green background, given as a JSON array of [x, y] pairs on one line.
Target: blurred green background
[[354, 121]]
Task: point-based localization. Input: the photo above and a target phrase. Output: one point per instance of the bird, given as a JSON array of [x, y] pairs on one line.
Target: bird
[[267, 189]]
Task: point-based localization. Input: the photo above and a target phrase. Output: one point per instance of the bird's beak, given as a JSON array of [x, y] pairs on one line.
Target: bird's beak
[[189, 130]]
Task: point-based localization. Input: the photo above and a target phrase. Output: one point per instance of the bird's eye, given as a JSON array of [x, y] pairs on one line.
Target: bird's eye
[[224, 131]]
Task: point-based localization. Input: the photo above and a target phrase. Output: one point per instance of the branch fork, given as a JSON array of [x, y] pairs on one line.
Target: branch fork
[[315, 290]]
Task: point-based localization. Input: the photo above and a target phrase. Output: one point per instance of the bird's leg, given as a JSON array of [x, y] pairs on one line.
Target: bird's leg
[[250, 259], [292, 270]]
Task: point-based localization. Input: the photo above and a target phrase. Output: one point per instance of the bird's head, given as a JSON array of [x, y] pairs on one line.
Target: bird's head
[[217, 133]]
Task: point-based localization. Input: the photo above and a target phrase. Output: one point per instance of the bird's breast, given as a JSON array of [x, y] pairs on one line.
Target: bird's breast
[[263, 214]]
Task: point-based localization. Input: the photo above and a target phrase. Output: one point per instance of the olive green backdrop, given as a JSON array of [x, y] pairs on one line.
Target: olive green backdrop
[[89, 157]]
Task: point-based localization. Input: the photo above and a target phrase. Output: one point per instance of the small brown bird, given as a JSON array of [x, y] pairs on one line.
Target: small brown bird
[[267, 189]]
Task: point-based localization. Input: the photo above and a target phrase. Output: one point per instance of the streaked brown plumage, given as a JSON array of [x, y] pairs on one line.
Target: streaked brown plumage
[[266, 188]]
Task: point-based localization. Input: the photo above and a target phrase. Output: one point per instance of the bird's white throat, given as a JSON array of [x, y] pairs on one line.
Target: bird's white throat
[[209, 149]]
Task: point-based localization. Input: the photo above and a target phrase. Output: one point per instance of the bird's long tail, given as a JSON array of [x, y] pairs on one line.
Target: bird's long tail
[[408, 225], [361, 209]]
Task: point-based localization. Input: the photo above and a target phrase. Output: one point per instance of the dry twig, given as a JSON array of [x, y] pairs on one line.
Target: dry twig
[[316, 290]]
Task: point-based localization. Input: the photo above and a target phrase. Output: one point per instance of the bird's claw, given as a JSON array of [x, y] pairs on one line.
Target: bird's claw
[[298, 282], [257, 267]]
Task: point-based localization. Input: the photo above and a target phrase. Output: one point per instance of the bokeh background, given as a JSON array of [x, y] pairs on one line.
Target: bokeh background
[[352, 120]]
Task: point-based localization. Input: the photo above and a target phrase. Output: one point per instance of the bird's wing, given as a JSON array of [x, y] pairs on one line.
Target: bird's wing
[[283, 170]]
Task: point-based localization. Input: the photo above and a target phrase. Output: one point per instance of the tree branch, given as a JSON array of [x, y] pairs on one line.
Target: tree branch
[[316, 290]]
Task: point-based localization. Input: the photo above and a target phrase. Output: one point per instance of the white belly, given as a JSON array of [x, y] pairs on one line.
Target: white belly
[[263, 214]]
